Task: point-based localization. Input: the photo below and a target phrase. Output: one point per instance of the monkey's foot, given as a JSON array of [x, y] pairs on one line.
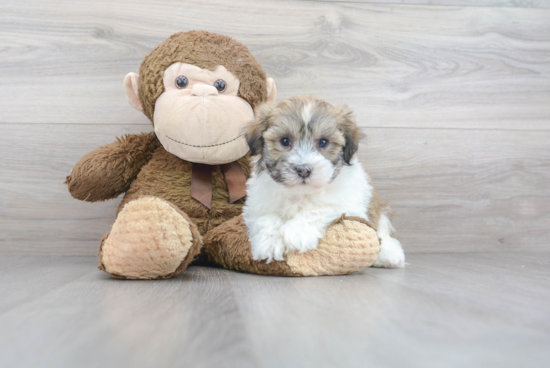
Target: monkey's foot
[[349, 245], [150, 239]]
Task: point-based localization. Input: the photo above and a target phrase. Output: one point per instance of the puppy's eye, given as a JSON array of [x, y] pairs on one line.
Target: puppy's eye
[[323, 143], [182, 81], [285, 142], [220, 85]]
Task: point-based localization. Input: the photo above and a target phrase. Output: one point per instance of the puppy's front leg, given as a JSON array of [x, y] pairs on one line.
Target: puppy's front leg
[[265, 239], [302, 233]]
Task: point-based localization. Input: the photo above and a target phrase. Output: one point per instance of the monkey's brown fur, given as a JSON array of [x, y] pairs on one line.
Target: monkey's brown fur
[[205, 50], [139, 166], [350, 244], [108, 171]]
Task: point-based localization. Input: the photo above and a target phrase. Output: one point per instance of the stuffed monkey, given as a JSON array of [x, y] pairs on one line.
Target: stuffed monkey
[[185, 183]]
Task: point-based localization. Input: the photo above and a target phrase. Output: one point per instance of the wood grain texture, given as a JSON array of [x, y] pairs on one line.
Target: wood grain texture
[[477, 3], [444, 310], [453, 190], [37, 212], [463, 190], [396, 65], [101, 322], [454, 101]]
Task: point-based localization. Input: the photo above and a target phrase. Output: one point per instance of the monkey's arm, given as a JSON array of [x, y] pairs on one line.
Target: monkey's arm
[[109, 170]]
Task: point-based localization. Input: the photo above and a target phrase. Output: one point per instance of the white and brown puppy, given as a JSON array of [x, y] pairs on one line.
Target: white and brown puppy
[[305, 176]]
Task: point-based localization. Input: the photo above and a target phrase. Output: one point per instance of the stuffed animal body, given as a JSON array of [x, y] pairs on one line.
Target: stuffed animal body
[[184, 183]]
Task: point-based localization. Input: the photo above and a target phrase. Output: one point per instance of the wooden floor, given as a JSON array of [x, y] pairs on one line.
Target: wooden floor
[[443, 310]]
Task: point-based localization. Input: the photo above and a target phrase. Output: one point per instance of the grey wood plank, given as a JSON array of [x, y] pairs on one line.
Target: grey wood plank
[[463, 190], [399, 66], [35, 206], [497, 284], [477, 3], [19, 276], [453, 190], [96, 321], [401, 318], [443, 310]]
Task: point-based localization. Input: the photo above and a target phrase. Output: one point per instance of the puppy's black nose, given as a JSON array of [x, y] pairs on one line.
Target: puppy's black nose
[[304, 171]]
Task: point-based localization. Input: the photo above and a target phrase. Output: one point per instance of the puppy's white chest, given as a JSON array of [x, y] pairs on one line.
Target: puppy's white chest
[[291, 206]]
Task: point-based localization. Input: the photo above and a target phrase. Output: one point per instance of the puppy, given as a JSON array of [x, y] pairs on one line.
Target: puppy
[[305, 175]]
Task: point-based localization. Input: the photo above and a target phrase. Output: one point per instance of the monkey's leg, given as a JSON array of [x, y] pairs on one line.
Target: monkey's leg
[[150, 239], [349, 245], [227, 246]]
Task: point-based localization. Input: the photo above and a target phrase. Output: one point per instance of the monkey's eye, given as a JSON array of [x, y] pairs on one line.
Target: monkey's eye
[[285, 142], [323, 143], [182, 81], [220, 85]]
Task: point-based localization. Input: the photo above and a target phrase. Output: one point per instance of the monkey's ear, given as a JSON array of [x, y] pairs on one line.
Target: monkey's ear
[[256, 129], [351, 133], [271, 92], [131, 84]]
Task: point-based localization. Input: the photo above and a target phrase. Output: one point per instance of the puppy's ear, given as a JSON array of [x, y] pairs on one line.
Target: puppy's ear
[[351, 133], [255, 131]]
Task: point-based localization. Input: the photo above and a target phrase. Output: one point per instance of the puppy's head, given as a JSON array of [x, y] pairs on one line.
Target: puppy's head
[[304, 141]]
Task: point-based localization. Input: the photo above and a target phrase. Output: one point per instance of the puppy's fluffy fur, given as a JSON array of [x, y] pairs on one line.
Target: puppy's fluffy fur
[[305, 176]]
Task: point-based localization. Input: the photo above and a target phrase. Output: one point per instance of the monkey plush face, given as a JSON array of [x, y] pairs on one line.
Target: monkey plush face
[[200, 90], [200, 116]]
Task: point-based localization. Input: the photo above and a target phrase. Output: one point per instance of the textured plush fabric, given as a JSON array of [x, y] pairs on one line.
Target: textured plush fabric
[[159, 226], [109, 170], [349, 245], [205, 50], [198, 123], [150, 239], [168, 177], [228, 246], [138, 165]]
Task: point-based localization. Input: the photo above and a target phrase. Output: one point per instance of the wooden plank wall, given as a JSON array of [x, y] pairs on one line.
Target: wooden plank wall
[[454, 100], [476, 3]]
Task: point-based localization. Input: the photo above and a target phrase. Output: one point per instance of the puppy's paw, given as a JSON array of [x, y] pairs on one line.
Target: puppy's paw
[[300, 237], [391, 254], [265, 241], [268, 248]]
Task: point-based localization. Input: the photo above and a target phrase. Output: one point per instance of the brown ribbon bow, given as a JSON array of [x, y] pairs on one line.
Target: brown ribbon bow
[[201, 182]]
